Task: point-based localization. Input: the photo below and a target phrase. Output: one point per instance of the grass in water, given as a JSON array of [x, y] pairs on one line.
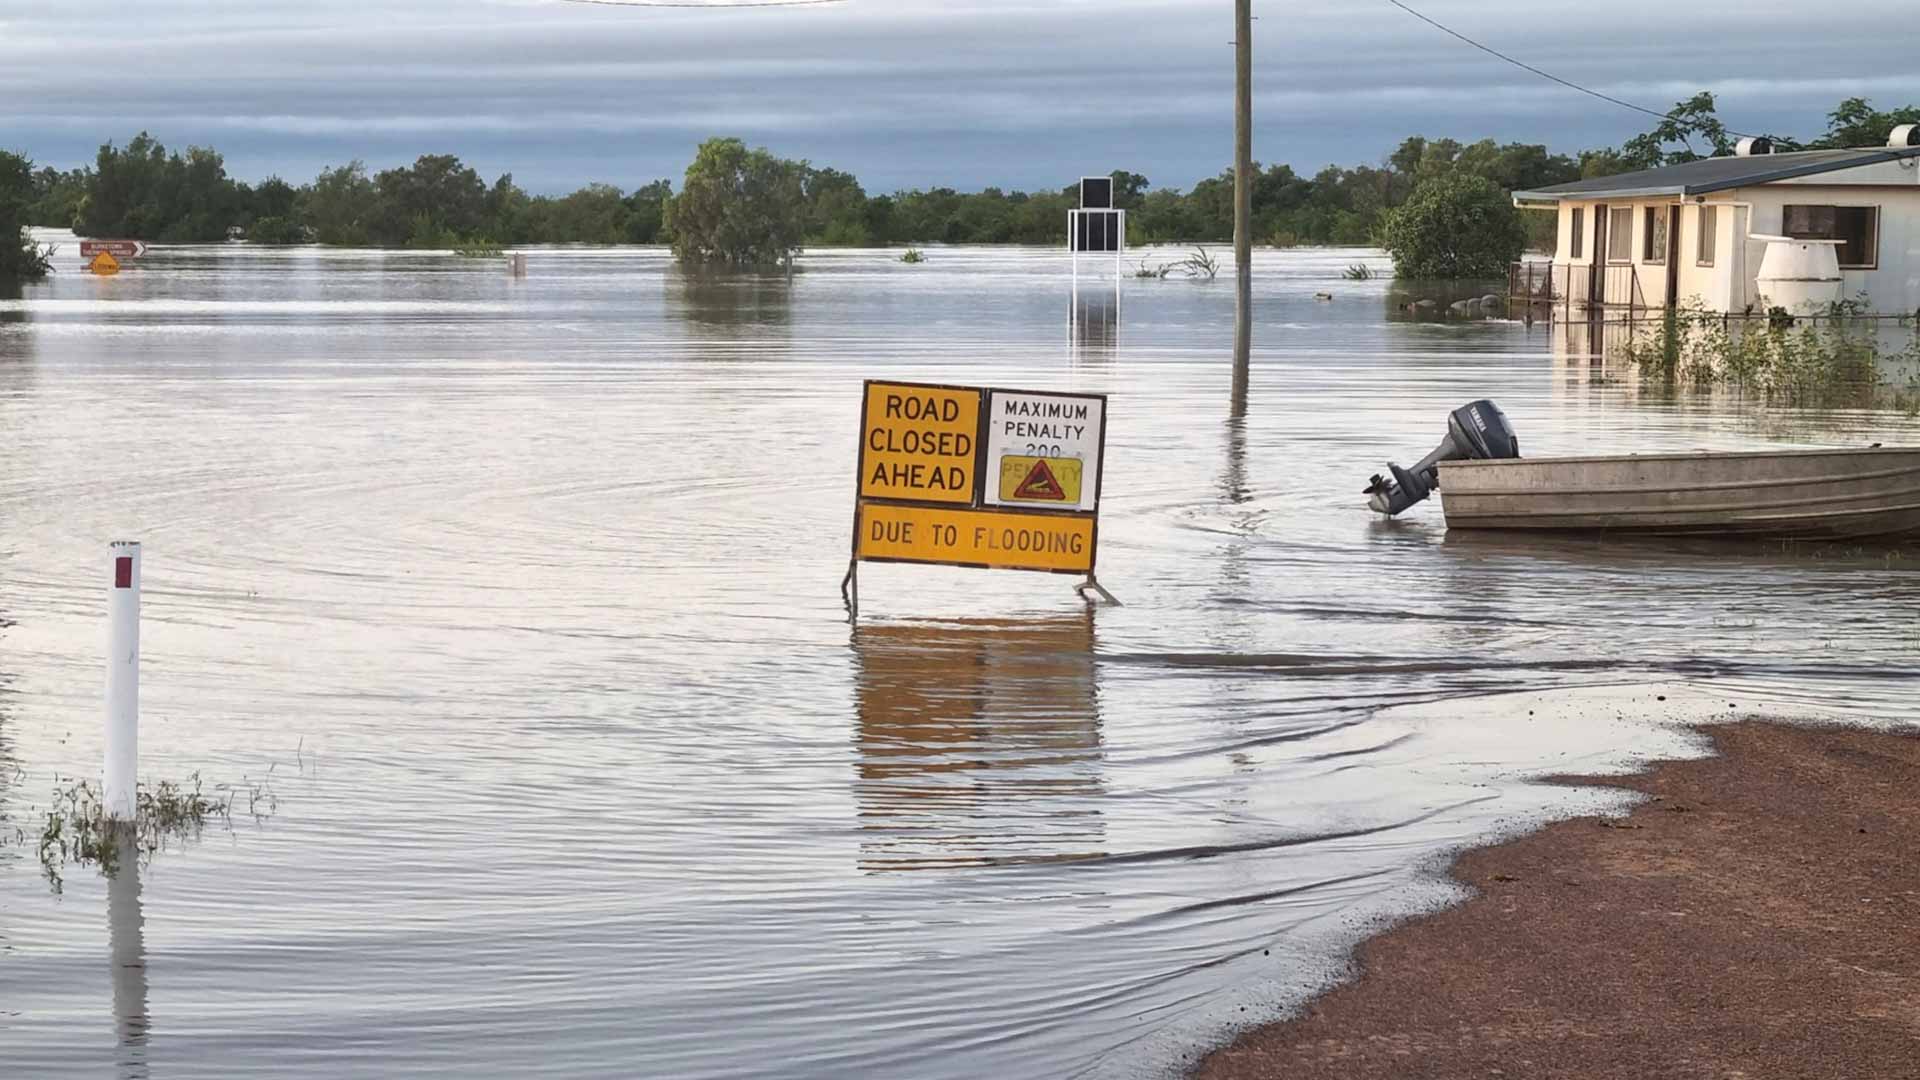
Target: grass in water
[[1200, 264], [1781, 361], [913, 256], [1358, 272], [78, 831]]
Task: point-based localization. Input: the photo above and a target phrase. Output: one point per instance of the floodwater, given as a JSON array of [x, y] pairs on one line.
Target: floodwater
[[522, 597]]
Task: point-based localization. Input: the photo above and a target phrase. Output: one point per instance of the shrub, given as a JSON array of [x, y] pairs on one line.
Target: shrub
[[276, 230], [1456, 225]]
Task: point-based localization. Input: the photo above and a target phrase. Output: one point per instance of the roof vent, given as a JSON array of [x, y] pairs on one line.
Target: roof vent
[[1754, 146], [1905, 135]]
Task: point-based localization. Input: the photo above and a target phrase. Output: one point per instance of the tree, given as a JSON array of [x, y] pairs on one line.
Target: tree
[[20, 258], [339, 205], [437, 202], [1455, 226], [836, 209], [647, 212], [739, 207], [1855, 122]]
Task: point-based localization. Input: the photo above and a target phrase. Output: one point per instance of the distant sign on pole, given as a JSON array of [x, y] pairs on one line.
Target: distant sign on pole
[[966, 476], [1097, 227], [119, 249]]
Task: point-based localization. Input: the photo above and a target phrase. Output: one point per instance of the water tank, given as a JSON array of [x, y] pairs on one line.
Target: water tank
[[1905, 135], [1802, 276], [1753, 146]]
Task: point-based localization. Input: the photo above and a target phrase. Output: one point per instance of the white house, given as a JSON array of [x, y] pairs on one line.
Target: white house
[[1686, 233]]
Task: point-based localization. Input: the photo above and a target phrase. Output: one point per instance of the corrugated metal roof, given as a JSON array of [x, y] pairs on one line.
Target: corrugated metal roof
[[1717, 174]]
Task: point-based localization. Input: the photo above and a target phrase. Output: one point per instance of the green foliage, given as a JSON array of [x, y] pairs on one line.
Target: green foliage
[[145, 193], [1692, 124], [739, 207], [142, 191], [77, 829], [276, 230], [20, 258], [913, 256], [1358, 272], [339, 204], [1456, 225], [1855, 122], [1819, 364]]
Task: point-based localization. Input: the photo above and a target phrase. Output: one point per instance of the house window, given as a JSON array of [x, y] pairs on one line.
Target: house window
[[1577, 245], [1859, 226], [1656, 236], [1709, 235], [1619, 235]]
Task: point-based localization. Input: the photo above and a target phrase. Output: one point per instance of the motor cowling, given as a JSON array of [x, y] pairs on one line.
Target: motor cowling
[[1476, 431]]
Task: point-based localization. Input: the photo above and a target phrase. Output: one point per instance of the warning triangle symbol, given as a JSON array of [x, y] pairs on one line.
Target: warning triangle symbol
[[1040, 484]]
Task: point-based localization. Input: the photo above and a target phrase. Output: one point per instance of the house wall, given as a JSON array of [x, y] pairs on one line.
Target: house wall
[[1893, 287]]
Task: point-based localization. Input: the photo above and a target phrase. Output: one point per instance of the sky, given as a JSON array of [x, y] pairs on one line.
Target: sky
[[903, 93]]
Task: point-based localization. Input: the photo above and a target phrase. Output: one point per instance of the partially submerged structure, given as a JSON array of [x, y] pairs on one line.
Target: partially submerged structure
[[1839, 223]]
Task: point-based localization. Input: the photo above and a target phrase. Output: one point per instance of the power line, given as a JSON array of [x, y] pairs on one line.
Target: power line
[[1548, 75]]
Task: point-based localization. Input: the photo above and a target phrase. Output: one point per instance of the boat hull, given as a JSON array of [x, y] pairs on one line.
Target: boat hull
[[1812, 494]]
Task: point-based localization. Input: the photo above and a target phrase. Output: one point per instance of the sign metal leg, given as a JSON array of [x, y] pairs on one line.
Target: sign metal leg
[[1092, 583], [850, 590]]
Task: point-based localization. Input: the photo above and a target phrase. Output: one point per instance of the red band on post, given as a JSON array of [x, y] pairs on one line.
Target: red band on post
[[123, 572]]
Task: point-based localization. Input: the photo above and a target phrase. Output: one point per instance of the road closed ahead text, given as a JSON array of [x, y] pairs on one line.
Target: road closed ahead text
[[920, 443], [975, 538]]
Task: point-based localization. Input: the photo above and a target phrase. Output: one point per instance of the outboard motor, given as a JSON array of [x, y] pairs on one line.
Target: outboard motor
[[1476, 431]]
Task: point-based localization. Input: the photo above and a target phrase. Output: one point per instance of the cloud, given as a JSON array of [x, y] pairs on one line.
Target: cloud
[[900, 92]]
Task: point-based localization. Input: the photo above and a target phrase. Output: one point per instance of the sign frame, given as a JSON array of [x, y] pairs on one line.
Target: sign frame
[[977, 505]]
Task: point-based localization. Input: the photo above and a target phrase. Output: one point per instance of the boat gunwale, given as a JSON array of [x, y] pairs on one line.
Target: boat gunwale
[[1683, 455], [1718, 485], [1760, 515]]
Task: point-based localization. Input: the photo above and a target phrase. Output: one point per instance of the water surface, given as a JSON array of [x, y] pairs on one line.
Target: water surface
[[522, 595]]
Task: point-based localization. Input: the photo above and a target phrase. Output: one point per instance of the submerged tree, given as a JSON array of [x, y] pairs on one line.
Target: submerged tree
[[1458, 225], [739, 207], [20, 258]]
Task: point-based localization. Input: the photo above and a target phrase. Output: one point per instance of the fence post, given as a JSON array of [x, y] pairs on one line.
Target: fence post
[[123, 682]]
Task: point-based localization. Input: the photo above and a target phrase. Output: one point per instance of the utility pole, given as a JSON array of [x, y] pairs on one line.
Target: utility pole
[[1242, 198]]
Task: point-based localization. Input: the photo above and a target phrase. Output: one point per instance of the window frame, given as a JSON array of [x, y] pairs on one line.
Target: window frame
[[1619, 254], [1577, 229], [1704, 253], [1648, 254], [1872, 244]]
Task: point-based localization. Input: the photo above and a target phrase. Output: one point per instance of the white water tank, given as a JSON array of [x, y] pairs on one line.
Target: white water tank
[[1800, 275], [1753, 146], [1904, 136]]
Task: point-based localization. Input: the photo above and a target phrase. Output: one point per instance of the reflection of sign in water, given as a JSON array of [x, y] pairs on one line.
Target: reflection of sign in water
[[937, 462], [979, 743]]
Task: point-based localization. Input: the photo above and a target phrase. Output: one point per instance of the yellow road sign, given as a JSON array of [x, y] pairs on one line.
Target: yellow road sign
[[104, 263], [1041, 480], [919, 442], [1006, 539]]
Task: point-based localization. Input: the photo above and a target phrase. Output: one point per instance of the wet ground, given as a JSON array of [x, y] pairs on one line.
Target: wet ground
[[522, 595]]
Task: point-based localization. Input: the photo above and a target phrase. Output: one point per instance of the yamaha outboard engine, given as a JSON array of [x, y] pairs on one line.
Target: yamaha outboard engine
[[1476, 431]]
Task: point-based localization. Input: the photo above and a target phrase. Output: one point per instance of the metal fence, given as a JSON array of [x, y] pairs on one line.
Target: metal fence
[[1544, 286]]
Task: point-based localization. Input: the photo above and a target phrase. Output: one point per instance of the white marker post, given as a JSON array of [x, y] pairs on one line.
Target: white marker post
[[123, 681]]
